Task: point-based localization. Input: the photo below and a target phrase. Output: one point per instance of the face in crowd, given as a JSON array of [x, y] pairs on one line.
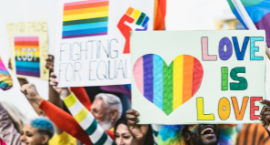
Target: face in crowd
[[123, 136], [107, 109], [37, 132], [201, 134]]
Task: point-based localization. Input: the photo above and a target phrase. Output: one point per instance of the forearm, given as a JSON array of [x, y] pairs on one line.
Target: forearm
[[55, 99], [22, 81]]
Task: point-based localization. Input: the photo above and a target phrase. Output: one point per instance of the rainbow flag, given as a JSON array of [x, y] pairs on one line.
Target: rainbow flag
[[259, 12], [27, 60], [85, 19], [5, 78], [168, 87]]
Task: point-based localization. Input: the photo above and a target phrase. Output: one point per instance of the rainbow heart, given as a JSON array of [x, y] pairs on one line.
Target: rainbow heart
[[168, 87]]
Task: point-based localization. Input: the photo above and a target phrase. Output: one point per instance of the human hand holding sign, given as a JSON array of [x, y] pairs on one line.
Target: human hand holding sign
[[138, 131], [132, 16], [64, 92]]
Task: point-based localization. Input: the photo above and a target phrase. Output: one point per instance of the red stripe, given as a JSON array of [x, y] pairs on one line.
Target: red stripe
[[197, 76], [89, 5], [27, 43]]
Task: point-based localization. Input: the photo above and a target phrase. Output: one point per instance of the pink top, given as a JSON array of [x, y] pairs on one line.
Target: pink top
[[2, 142]]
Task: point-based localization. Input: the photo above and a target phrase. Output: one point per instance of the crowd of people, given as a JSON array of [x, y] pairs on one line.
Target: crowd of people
[[102, 116]]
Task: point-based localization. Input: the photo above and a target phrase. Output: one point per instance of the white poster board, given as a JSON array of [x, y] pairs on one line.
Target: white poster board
[[92, 38]]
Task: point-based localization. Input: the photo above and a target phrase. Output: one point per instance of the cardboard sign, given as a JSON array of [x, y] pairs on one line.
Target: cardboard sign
[[191, 77], [92, 47], [29, 48]]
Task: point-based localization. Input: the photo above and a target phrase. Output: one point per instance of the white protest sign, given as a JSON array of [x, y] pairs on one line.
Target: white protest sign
[[92, 46], [193, 77]]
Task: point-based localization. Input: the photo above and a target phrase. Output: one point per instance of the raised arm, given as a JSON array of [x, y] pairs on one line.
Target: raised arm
[[22, 82], [58, 116], [8, 131], [86, 120]]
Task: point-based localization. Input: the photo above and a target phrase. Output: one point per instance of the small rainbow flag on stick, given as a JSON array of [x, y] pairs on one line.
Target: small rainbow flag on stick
[[85, 18], [5, 78], [27, 59], [258, 11]]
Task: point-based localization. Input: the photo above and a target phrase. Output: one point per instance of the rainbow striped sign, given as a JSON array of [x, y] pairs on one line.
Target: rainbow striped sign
[[27, 59], [168, 87], [85, 19]]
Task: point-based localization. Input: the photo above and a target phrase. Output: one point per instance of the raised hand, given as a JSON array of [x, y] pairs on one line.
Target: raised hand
[[50, 63], [30, 91], [138, 131], [265, 115], [64, 92], [132, 15]]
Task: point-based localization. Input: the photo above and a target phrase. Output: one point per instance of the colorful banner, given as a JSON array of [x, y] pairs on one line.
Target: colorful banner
[[93, 40], [29, 48], [193, 77]]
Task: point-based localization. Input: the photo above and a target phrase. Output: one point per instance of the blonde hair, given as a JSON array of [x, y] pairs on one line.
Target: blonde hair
[[15, 115]]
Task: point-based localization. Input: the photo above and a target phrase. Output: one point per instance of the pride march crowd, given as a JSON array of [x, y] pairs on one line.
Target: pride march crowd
[[101, 114]]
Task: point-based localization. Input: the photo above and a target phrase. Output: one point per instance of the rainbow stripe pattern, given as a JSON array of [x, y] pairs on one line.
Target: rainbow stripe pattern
[[87, 121], [140, 18], [27, 56], [85, 19], [168, 87], [5, 78], [259, 12]]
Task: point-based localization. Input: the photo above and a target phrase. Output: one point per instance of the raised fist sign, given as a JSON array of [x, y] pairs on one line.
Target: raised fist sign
[[132, 16]]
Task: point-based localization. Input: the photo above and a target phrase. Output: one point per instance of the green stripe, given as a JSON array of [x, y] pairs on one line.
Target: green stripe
[[114, 143], [167, 88], [92, 128], [141, 18], [37, 59], [224, 81], [83, 21], [245, 3], [102, 140]]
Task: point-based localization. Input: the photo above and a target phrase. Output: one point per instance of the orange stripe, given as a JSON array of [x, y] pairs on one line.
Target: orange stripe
[[85, 11], [129, 11], [188, 77]]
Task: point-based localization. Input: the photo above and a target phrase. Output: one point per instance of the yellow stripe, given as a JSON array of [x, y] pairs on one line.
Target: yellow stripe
[[70, 100], [25, 53], [136, 15], [81, 115], [85, 16], [178, 65]]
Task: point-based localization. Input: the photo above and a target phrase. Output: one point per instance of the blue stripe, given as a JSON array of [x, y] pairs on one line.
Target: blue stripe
[[27, 64], [158, 81], [4, 72], [28, 69], [145, 21], [85, 31], [256, 12], [85, 26]]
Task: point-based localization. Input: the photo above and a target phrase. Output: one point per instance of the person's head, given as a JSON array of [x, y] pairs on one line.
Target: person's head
[[37, 132], [107, 109], [199, 134], [15, 115], [121, 132]]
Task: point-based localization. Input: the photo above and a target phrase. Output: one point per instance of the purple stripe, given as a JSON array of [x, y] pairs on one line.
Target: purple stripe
[[148, 76], [85, 35], [25, 73], [264, 24]]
